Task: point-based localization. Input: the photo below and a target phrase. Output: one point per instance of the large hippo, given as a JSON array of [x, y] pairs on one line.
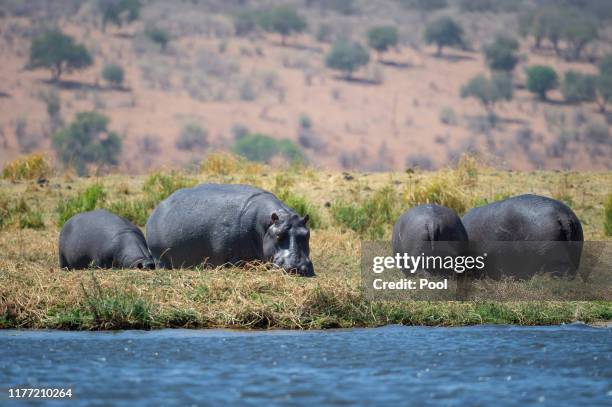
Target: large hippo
[[102, 239], [525, 235], [432, 230], [221, 224]]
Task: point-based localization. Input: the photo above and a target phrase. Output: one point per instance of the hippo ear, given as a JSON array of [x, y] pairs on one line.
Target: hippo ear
[[306, 219], [274, 217]]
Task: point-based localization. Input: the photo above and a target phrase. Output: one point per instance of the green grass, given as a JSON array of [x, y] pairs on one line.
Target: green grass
[[87, 200]]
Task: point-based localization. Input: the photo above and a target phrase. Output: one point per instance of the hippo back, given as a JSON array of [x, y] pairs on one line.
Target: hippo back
[[501, 229], [212, 223], [431, 230]]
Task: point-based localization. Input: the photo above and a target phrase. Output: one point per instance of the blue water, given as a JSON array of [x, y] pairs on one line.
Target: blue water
[[485, 365]]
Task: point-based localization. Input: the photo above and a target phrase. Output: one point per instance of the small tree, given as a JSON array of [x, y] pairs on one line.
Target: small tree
[[489, 91], [347, 57], [578, 87], [501, 54], [443, 32], [603, 83], [87, 141], [59, 53], [383, 37], [578, 31], [605, 65], [283, 20], [541, 79], [118, 11], [157, 35], [113, 74]]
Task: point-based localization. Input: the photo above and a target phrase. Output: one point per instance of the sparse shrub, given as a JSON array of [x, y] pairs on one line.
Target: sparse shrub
[[346, 57], [239, 131], [608, 215], [88, 200], [420, 161], [283, 20], [32, 166], [245, 22], [27, 141], [501, 54], [444, 32], [149, 144], [598, 133], [158, 35], [247, 91], [541, 79], [442, 189], [346, 7], [118, 12], [51, 98], [524, 138], [301, 206], [447, 116], [603, 83], [370, 217], [324, 33], [113, 74], [87, 140], [59, 53], [489, 91], [192, 136], [259, 147], [383, 37], [578, 87], [305, 122]]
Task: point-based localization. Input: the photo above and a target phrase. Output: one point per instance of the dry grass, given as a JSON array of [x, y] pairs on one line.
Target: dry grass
[[35, 293]]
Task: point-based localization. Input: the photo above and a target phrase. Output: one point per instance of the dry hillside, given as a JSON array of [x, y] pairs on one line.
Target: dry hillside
[[403, 110]]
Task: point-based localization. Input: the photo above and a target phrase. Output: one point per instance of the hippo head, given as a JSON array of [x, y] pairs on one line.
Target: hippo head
[[286, 243], [134, 253]]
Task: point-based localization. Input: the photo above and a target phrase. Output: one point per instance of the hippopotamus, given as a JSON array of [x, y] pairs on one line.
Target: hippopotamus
[[224, 224], [431, 230], [102, 239], [502, 230]]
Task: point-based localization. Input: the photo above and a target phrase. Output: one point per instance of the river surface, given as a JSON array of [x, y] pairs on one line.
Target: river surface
[[420, 366]]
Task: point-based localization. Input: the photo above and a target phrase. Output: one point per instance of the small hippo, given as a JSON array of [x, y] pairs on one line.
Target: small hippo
[[428, 229], [102, 239], [220, 224], [501, 229]]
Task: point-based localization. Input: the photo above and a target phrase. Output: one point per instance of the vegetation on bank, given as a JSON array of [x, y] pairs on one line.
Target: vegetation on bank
[[345, 209]]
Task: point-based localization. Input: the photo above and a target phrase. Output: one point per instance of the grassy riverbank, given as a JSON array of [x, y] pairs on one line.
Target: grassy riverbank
[[35, 293]]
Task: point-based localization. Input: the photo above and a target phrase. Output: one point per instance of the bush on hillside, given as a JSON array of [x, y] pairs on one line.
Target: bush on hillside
[[541, 79], [87, 140], [347, 57], [444, 32]]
